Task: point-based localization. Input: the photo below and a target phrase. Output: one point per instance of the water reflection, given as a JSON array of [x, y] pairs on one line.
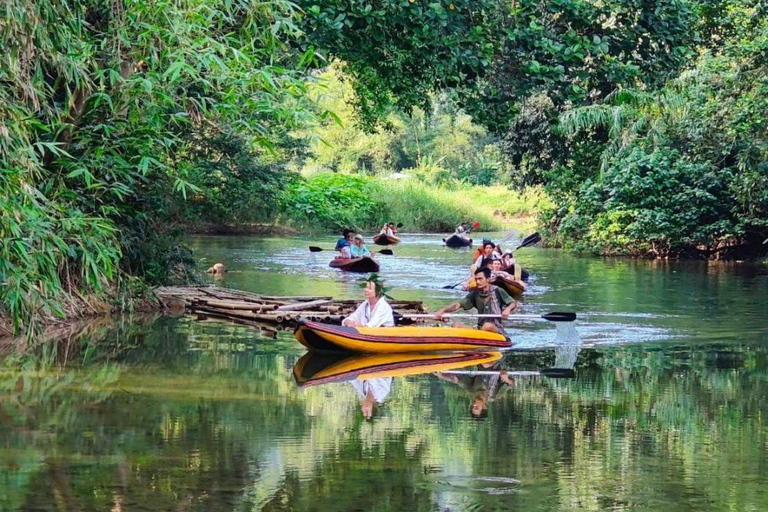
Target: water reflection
[[175, 414]]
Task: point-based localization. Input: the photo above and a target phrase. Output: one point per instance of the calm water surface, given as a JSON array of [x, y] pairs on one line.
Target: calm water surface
[[668, 410]]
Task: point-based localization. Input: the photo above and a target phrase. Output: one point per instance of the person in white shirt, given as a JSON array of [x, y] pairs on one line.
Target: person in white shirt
[[375, 311], [486, 257]]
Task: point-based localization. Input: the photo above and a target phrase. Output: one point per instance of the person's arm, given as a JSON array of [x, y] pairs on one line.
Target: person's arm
[[366, 252], [447, 309], [466, 303], [357, 318], [509, 302]]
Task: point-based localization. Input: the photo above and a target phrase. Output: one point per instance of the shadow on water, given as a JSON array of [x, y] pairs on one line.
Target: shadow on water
[[666, 410]]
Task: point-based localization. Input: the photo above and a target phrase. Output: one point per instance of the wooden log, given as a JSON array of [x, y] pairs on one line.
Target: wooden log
[[225, 304], [296, 298], [304, 305]]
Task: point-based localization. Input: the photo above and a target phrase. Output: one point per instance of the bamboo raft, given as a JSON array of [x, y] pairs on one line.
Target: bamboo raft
[[268, 313]]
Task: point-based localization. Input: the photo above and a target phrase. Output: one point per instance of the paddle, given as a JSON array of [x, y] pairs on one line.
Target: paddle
[[530, 240], [387, 252], [554, 373], [554, 316]]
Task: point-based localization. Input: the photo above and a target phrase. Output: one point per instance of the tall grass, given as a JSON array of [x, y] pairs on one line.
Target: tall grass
[[423, 207], [328, 202]]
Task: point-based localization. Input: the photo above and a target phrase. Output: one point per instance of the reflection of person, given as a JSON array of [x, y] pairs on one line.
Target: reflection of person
[[483, 388], [375, 311], [372, 391], [487, 299]]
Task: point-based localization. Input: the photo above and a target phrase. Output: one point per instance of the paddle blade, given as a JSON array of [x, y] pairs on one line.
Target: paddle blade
[[399, 225], [388, 252], [559, 317], [313, 248], [530, 240], [558, 373]]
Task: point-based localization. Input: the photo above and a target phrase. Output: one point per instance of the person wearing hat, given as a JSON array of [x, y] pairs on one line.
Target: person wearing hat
[[479, 251], [358, 250], [485, 258], [374, 311], [507, 259]]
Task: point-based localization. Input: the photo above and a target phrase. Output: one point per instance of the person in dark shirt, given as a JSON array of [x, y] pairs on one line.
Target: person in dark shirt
[[487, 300]]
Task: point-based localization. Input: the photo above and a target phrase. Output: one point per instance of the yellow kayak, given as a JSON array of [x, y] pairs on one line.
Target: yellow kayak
[[314, 368], [317, 336]]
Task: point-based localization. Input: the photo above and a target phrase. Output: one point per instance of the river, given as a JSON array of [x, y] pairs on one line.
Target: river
[[668, 410]]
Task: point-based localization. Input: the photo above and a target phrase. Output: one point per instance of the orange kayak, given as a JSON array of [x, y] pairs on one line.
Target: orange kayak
[[335, 338]]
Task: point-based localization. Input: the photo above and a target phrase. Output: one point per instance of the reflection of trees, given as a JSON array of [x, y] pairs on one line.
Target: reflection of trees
[[187, 416]]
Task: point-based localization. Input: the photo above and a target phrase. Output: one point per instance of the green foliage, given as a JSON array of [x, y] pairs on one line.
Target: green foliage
[[399, 51], [97, 106], [440, 146], [330, 202], [651, 202], [236, 184], [576, 52]]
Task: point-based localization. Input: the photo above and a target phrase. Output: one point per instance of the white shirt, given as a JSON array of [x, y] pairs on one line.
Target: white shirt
[[379, 388], [381, 316], [346, 252]]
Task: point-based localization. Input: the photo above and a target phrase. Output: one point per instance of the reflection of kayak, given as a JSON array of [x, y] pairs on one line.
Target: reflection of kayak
[[382, 239], [313, 368], [510, 286], [364, 264], [336, 338], [457, 241]]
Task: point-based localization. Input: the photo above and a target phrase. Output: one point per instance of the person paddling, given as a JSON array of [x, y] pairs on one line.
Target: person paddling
[[343, 244], [487, 300], [375, 311], [358, 250]]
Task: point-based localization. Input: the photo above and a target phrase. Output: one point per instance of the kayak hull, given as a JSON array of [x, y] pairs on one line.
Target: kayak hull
[[316, 369], [387, 340], [512, 287], [457, 241], [364, 264], [524, 274], [382, 239]]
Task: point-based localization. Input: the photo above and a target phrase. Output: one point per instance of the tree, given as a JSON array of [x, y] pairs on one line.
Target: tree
[[97, 101]]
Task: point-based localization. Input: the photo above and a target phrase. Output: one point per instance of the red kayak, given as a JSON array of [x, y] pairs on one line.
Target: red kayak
[[364, 264], [382, 239]]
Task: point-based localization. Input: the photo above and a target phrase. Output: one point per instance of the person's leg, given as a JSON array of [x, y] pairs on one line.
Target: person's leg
[[491, 327], [459, 325]]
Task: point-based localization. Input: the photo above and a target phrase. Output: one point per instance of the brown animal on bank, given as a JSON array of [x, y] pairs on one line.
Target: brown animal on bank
[[218, 268]]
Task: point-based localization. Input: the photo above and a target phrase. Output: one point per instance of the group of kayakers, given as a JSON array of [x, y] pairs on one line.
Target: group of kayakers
[[351, 245]]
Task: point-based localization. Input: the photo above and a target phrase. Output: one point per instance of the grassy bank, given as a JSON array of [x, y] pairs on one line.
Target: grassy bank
[[328, 202]]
